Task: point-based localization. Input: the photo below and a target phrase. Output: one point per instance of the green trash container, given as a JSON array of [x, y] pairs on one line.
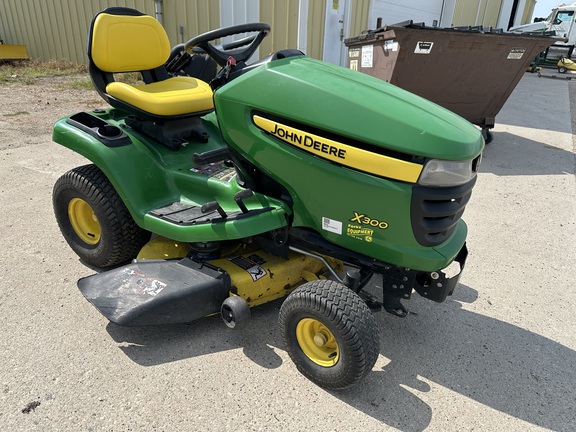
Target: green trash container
[[469, 70]]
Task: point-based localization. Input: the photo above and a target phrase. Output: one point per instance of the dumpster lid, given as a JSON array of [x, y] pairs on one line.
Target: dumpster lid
[[374, 34]]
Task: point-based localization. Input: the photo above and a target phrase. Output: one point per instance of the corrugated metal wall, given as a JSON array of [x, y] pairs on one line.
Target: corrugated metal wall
[[477, 12], [359, 17], [55, 29], [316, 16], [282, 15], [194, 16], [491, 13], [528, 11]]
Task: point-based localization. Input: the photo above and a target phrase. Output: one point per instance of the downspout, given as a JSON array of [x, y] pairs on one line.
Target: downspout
[[158, 10]]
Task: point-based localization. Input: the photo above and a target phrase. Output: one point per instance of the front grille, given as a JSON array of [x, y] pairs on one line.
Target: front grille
[[436, 211]]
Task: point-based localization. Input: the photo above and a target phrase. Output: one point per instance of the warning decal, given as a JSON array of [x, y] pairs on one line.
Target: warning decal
[[516, 53], [216, 170], [367, 56], [251, 264]]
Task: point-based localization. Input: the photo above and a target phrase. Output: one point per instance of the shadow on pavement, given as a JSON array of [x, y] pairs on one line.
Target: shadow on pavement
[[510, 155], [494, 363]]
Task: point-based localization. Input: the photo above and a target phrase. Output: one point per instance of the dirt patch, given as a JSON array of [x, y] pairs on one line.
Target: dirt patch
[[28, 111]]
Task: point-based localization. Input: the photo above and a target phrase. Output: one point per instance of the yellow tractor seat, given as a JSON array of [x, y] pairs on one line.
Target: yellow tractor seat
[[172, 97], [125, 40]]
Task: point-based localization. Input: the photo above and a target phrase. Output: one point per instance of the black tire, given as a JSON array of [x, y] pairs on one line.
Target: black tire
[[348, 343], [235, 312], [487, 135], [111, 237], [562, 69]]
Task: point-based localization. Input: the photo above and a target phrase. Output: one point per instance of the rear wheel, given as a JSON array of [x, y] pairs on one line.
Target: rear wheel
[[330, 334], [94, 220]]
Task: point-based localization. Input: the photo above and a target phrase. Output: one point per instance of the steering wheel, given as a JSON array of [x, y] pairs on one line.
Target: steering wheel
[[238, 50]]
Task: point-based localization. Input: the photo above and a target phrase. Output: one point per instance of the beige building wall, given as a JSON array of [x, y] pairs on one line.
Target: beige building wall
[[57, 29], [193, 17], [282, 15], [491, 13], [359, 17], [316, 17], [529, 11]]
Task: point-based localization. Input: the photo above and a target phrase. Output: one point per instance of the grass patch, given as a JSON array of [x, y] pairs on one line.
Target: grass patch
[[27, 71], [16, 114], [79, 84]]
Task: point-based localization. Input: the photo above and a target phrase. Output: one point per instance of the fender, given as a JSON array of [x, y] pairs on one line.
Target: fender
[[148, 177]]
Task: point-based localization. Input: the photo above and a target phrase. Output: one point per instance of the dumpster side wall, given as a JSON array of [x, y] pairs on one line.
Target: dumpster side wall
[[469, 73]]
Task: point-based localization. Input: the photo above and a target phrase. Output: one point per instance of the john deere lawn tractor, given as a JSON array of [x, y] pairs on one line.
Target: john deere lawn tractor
[[284, 177]]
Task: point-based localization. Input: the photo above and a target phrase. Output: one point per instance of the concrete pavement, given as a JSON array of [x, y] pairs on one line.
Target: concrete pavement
[[499, 355]]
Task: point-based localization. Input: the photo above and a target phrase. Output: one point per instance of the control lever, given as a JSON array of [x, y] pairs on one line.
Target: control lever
[[240, 196], [211, 206]]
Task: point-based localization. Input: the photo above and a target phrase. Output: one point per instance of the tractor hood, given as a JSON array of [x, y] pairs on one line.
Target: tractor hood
[[347, 106]]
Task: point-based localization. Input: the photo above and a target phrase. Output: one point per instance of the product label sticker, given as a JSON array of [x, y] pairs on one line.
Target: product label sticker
[[423, 47], [216, 170], [138, 283], [391, 45], [516, 53], [359, 233], [367, 56], [332, 225]]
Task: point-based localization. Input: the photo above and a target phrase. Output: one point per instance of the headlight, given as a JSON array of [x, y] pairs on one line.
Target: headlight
[[439, 172]]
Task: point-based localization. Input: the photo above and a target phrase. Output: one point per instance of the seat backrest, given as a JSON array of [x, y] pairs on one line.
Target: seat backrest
[[126, 40], [124, 43]]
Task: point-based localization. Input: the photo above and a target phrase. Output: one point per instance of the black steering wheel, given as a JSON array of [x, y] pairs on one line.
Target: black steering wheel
[[240, 50]]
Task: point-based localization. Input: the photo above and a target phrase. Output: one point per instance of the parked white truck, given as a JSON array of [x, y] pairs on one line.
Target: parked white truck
[[561, 21]]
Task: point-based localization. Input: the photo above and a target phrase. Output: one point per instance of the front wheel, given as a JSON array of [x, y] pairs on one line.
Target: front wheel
[[94, 220], [562, 69], [330, 334]]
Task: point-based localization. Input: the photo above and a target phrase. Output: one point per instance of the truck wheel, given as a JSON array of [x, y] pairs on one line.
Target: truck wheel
[[330, 334], [94, 220]]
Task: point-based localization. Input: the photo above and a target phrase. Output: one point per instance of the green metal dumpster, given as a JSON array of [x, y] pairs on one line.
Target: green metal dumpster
[[471, 71]]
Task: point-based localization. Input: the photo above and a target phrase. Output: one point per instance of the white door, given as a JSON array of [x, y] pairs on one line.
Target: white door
[[234, 12], [336, 25]]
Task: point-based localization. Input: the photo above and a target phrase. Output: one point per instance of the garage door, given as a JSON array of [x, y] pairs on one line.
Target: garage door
[[395, 11]]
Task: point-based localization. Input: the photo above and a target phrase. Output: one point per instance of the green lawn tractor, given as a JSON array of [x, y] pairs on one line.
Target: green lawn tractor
[[282, 177]]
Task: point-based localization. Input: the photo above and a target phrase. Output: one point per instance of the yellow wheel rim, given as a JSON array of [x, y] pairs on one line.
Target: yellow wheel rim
[[84, 221], [317, 342]]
